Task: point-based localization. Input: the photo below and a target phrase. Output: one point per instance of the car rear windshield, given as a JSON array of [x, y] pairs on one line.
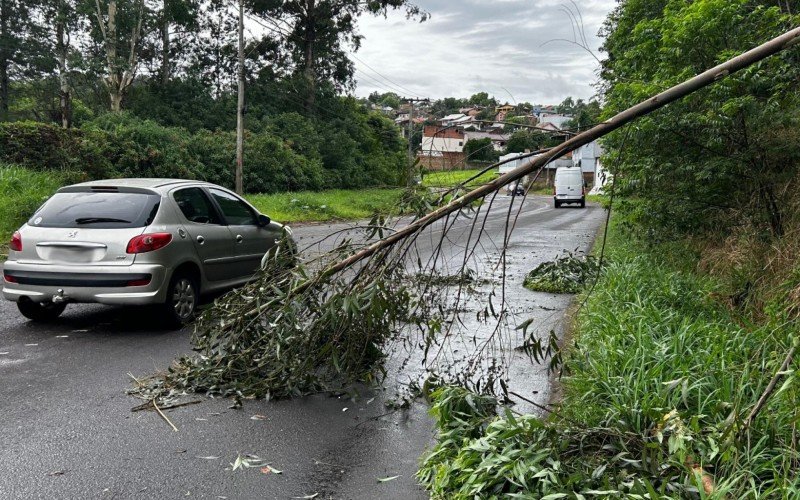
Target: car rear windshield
[[98, 210]]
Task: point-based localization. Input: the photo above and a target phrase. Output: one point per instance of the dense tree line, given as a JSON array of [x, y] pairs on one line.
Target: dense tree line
[[727, 156], [172, 63]]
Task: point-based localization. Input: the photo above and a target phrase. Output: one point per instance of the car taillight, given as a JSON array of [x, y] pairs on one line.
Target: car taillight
[[16, 242], [9, 278], [148, 242]]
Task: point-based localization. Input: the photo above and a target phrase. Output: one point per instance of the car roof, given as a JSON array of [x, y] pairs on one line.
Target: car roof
[[143, 183]]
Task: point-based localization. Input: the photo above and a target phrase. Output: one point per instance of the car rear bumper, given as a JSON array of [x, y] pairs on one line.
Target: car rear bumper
[[131, 285], [568, 198]]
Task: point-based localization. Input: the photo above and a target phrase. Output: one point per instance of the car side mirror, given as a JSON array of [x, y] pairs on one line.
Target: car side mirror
[[263, 220]]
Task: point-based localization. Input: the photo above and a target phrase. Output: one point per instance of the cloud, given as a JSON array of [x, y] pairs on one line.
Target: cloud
[[513, 49]]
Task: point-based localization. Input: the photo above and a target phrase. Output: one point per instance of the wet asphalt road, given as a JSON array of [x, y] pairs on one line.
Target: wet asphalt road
[[66, 429]]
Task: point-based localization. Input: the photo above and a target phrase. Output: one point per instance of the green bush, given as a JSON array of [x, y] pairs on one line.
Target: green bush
[[289, 153], [41, 146]]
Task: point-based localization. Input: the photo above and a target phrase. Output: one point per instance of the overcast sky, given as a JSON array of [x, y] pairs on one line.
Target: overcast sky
[[507, 48]]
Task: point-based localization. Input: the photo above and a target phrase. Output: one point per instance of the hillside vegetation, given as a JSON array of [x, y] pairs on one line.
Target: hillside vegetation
[[681, 380]]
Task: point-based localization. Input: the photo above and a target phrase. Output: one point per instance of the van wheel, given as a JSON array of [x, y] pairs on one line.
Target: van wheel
[[583, 202], [40, 311], [557, 204], [181, 303]]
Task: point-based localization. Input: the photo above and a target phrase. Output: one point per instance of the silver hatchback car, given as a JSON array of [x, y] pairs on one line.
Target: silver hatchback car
[[136, 241]]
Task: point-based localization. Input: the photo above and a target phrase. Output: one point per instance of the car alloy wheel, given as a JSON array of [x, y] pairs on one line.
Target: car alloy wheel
[[184, 299]]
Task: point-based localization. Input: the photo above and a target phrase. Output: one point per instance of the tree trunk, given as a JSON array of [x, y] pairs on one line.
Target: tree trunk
[[120, 77], [309, 70], [165, 70], [62, 47], [5, 57], [116, 99]]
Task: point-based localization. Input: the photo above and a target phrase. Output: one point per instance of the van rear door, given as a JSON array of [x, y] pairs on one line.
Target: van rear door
[[569, 184]]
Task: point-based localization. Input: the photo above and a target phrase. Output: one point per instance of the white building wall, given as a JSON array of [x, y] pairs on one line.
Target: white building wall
[[433, 145]]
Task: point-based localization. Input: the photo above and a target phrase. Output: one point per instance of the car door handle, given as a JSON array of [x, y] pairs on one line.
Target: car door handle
[[239, 238], [201, 240]]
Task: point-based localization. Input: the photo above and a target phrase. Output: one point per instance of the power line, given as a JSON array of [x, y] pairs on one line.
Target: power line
[[378, 84], [412, 93]]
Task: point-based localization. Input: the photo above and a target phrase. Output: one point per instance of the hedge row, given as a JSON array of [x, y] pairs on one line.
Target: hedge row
[[135, 148]]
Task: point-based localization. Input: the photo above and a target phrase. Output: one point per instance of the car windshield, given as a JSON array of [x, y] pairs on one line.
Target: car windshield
[[106, 210]]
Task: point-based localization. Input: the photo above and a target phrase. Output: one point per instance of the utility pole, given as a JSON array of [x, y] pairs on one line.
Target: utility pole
[[240, 106], [410, 139]]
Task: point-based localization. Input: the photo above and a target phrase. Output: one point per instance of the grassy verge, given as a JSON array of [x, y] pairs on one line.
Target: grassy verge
[[21, 193], [662, 377], [452, 177], [335, 204]]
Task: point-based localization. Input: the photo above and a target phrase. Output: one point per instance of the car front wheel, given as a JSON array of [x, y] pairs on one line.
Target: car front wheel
[[40, 311], [181, 301]]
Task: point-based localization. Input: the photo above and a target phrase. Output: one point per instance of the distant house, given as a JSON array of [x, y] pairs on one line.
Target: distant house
[[471, 111], [437, 141], [499, 140], [442, 148], [503, 111], [554, 118], [549, 126], [505, 108], [588, 158], [456, 119]]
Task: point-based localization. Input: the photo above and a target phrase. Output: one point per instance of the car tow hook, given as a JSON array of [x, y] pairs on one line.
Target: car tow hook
[[58, 298]]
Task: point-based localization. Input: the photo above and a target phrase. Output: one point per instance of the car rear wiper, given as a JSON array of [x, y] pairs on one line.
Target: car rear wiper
[[92, 220]]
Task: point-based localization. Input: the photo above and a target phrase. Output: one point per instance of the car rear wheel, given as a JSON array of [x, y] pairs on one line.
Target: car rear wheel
[[557, 204], [181, 303], [40, 311]]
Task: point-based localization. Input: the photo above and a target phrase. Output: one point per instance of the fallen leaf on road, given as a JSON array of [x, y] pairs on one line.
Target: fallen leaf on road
[[30, 345], [267, 470], [62, 336], [3, 353], [315, 495], [203, 419], [208, 458], [57, 473], [387, 479], [345, 409], [258, 417]]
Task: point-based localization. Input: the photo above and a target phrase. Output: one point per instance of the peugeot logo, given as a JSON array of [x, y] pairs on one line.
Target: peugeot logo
[[72, 234]]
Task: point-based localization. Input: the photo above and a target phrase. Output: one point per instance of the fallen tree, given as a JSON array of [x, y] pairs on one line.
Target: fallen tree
[[305, 329]]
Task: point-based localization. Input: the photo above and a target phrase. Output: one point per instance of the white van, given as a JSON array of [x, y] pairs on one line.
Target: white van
[[569, 186]]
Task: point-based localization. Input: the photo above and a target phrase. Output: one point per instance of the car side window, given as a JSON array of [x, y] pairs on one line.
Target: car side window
[[236, 212], [196, 206]]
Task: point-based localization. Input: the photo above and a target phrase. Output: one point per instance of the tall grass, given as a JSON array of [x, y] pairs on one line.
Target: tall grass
[[330, 205], [451, 177], [661, 377], [22, 191]]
